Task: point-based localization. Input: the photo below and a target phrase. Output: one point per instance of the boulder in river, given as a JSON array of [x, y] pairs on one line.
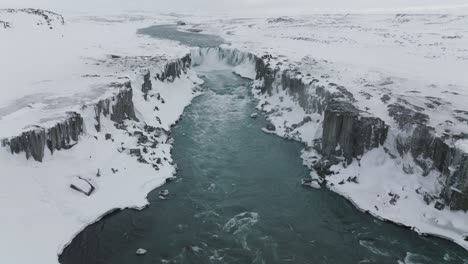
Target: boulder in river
[[171, 179], [270, 127], [310, 183], [164, 193]]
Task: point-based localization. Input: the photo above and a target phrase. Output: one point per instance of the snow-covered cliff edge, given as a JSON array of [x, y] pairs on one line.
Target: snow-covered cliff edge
[[399, 174], [85, 138]]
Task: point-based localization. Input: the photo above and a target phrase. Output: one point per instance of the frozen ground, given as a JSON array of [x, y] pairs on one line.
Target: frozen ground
[[48, 68]]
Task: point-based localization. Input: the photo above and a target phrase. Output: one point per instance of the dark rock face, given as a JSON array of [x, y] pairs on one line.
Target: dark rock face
[[270, 127], [431, 153], [347, 134], [147, 85], [47, 16], [174, 69], [265, 72], [118, 108], [86, 187], [5, 24], [58, 137], [456, 186], [405, 116], [121, 105]]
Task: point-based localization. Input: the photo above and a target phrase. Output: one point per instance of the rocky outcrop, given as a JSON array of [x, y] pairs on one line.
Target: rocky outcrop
[[147, 84], [119, 107], [348, 134], [430, 153], [65, 134], [47, 18], [60, 136], [175, 68]]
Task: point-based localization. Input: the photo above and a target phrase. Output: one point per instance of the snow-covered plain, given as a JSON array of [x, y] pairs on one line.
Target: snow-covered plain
[[413, 60]]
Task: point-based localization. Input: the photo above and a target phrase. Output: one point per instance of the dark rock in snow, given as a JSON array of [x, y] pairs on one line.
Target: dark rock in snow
[[347, 134], [60, 136], [270, 127], [439, 206], [135, 152], [83, 186]]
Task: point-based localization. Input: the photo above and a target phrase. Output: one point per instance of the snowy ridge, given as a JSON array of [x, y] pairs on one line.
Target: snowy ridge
[[353, 153], [13, 18]]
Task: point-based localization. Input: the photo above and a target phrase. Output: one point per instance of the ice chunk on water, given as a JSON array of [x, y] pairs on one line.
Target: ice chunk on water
[[141, 251]]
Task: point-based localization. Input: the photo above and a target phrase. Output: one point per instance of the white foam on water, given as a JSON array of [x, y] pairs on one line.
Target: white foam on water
[[241, 222]]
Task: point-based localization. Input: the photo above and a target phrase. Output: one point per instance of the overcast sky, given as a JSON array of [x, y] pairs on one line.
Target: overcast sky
[[267, 6]]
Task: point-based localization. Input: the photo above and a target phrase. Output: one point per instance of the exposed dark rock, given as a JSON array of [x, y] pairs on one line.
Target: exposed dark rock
[[280, 20], [405, 116], [83, 186], [60, 136], [147, 85], [394, 198], [270, 127], [120, 106], [304, 121], [347, 134], [5, 24], [385, 98], [439, 206], [175, 68], [47, 16], [135, 152], [171, 179], [352, 179]]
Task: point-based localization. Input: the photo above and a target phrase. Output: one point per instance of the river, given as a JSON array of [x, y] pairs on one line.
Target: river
[[239, 199]]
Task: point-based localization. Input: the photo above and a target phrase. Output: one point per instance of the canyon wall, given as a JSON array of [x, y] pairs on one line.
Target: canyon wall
[[66, 132]]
